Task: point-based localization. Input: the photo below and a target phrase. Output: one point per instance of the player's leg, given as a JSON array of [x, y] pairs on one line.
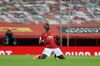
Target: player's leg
[[53, 54], [58, 53], [61, 57], [43, 56], [47, 52]]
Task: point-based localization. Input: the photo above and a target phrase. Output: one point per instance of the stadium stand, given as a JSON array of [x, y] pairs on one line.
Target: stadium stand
[[25, 11]]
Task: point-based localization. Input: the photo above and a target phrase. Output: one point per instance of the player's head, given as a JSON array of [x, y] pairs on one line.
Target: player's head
[[9, 33], [47, 26]]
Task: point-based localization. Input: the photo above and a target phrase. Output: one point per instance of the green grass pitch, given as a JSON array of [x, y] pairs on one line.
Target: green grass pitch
[[28, 60]]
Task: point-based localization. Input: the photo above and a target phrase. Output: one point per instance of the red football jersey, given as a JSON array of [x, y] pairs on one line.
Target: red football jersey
[[48, 39]]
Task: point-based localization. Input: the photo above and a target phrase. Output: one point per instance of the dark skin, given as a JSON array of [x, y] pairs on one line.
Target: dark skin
[[43, 56]]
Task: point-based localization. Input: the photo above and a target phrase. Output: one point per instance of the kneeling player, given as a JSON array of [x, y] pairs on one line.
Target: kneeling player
[[48, 40]]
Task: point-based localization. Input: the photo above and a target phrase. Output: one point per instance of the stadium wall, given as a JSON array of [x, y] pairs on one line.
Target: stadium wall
[[68, 51], [84, 30], [85, 34]]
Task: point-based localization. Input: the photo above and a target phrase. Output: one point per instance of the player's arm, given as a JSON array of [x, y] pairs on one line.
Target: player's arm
[[41, 40], [57, 40]]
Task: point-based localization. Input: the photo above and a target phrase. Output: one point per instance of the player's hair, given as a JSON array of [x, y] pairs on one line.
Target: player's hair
[[47, 26]]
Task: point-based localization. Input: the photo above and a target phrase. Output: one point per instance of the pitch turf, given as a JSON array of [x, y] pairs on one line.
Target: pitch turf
[[27, 60]]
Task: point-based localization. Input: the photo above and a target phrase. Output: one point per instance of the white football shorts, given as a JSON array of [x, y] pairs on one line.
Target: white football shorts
[[56, 51]]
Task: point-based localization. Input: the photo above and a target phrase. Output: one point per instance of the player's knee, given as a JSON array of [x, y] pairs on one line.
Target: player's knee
[[61, 57], [43, 56]]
